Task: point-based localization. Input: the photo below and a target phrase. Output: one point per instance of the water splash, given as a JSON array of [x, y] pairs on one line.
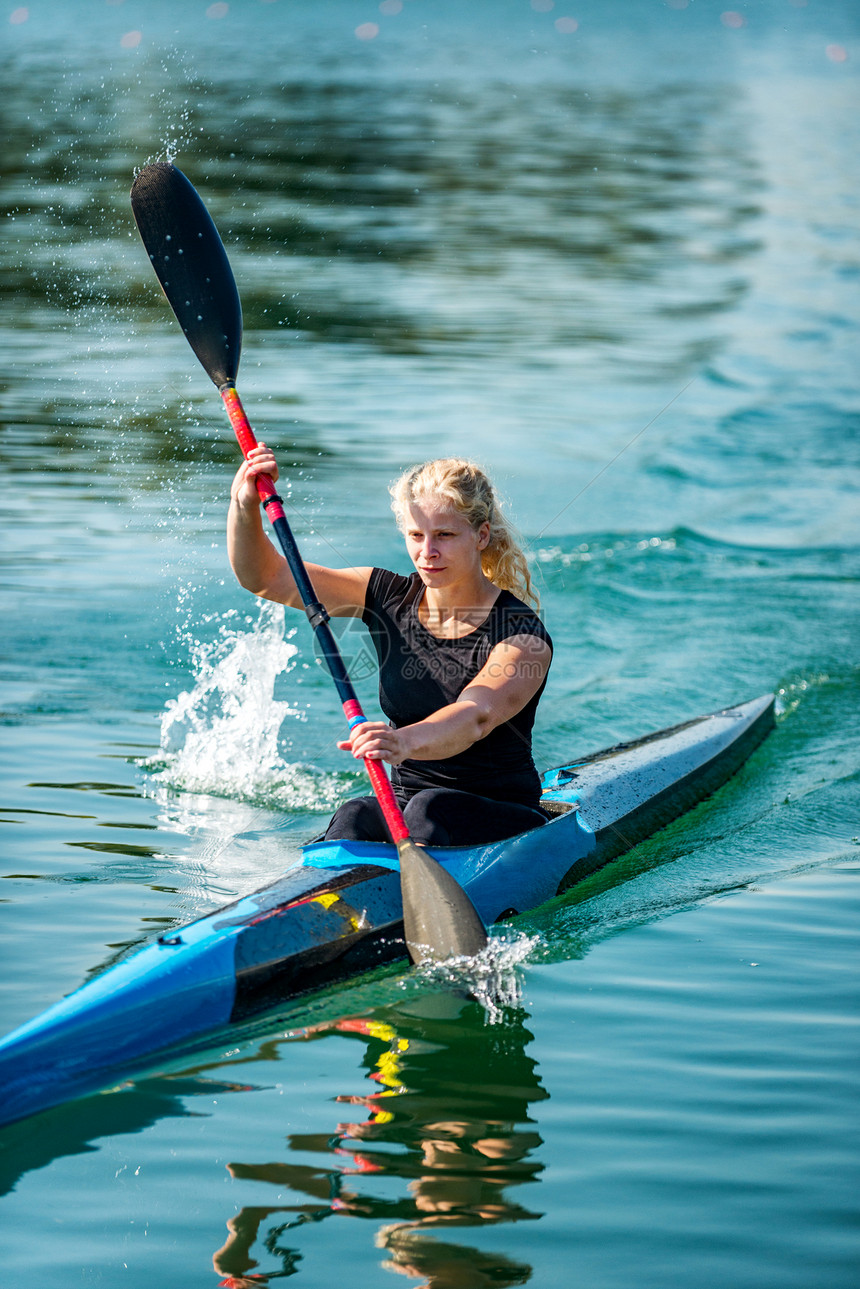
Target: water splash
[[221, 737], [178, 135], [493, 977]]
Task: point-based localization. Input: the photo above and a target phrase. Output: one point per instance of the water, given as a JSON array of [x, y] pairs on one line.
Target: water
[[619, 265]]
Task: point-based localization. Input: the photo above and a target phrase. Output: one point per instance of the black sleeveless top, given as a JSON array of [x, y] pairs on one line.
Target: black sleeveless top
[[419, 673]]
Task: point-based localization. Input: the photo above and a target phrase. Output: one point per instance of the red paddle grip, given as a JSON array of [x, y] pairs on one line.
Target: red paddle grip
[[247, 440], [379, 780], [387, 801]]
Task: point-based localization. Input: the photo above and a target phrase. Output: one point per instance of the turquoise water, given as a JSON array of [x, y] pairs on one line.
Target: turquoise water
[[619, 265]]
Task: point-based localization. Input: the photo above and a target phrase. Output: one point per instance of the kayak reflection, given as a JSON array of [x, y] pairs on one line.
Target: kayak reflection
[[449, 1113]]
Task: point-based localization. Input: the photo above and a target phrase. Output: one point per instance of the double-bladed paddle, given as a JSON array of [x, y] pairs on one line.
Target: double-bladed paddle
[[191, 264]]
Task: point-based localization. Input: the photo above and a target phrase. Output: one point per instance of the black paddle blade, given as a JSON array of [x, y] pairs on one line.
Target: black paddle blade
[[192, 266], [439, 919]]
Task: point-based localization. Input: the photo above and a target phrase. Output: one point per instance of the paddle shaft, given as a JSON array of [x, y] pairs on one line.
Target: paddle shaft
[[191, 264], [316, 612]]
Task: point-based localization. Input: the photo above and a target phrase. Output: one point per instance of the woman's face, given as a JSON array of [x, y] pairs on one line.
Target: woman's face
[[443, 546]]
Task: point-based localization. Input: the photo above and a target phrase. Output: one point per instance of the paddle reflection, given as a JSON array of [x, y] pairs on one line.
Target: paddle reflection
[[448, 1112]]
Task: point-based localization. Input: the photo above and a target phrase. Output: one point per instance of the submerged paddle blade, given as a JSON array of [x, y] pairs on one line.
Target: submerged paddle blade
[[439, 919], [192, 266]]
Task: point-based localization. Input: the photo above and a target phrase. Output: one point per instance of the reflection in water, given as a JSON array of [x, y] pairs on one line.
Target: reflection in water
[[448, 1113], [73, 1129]]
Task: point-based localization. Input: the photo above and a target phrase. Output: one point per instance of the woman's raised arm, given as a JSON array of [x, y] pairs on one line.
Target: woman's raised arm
[[261, 569]]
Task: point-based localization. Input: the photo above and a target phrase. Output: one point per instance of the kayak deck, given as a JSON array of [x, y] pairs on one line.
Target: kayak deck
[[338, 912]]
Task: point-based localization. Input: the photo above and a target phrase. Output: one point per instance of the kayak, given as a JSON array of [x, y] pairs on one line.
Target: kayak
[[338, 912]]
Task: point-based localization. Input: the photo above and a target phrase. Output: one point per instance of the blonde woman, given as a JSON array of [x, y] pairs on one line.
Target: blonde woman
[[463, 655]]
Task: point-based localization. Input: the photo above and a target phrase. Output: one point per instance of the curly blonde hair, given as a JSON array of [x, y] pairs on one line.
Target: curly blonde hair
[[470, 493]]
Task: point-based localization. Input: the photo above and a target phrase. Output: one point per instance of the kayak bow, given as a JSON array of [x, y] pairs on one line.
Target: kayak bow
[[339, 911]]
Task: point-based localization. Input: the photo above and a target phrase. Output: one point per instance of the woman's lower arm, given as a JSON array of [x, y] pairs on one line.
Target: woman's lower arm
[[257, 565], [445, 733], [450, 730]]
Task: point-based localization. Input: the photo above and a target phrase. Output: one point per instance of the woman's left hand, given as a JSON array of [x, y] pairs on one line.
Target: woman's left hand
[[376, 741]]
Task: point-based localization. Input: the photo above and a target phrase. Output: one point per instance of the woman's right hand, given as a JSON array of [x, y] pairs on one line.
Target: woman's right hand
[[261, 460]]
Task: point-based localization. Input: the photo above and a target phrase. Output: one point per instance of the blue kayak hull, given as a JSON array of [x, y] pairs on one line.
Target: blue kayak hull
[[338, 912]]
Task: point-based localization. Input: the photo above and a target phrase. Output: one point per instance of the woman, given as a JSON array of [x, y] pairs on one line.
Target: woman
[[463, 658]]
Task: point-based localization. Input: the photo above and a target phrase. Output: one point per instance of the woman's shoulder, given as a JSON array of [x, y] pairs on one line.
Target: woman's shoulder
[[511, 616], [387, 590]]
